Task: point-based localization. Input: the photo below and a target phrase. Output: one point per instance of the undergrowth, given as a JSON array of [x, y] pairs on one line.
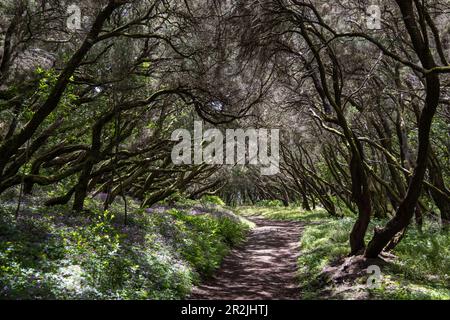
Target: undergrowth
[[420, 269]]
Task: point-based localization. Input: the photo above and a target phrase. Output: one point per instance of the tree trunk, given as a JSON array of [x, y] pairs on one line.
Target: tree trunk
[[407, 208], [439, 198]]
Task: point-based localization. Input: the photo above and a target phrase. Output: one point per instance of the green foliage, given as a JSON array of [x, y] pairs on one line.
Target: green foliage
[[179, 199], [51, 254], [420, 270], [320, 245], [269, 203], [283, 213], [204, 240]]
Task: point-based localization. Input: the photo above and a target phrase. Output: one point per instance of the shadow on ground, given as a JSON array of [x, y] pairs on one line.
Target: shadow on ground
[[264, 267]]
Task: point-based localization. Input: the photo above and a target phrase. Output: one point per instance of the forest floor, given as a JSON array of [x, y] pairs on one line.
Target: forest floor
[[263, 267], [293, 254]]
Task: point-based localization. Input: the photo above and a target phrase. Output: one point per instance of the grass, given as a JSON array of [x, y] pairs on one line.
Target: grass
[[283, 213], [51, 253], [421, 269]]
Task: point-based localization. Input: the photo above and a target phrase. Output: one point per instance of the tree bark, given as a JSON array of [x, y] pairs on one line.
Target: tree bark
[[407, 208]]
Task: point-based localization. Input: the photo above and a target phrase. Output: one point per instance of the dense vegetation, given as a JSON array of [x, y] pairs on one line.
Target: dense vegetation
[[159, 254], [92, 203], [420, 269]]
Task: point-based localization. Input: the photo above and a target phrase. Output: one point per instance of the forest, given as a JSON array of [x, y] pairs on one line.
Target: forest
[[224, 149]]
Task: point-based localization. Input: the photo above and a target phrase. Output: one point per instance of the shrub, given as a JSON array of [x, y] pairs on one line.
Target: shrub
[[52, 254], [212, 199], [269, 203]]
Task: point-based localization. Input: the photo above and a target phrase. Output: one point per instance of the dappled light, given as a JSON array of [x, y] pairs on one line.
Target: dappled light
[[224, 150]]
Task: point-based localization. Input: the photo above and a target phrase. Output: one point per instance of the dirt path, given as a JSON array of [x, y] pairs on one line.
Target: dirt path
[[264, 267]]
